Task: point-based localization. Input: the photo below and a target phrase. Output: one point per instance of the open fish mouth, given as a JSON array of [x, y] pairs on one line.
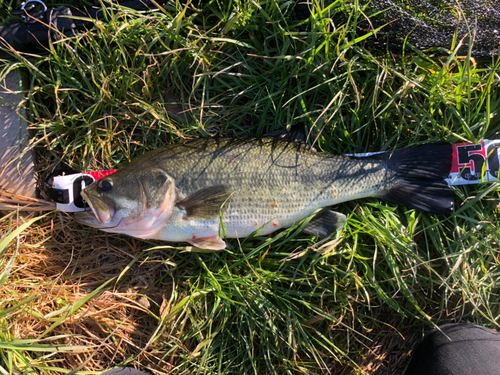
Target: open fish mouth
[[101, 215]]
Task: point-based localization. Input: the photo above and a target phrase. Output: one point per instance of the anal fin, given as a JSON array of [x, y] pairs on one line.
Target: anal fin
[[208, 243], [325, 223]]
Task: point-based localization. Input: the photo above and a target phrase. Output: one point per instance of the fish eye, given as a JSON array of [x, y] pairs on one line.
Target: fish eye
[[105, 186]]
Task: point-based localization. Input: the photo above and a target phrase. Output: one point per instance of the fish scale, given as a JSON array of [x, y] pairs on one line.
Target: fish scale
[[277, 171]]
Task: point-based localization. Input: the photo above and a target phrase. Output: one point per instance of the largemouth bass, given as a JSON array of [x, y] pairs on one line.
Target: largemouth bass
[[204, 190]]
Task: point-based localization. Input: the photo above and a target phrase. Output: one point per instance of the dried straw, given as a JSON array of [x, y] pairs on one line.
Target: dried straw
[[60, 262], [13, 202]]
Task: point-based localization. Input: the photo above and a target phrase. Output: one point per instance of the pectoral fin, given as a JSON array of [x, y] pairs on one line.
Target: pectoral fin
[[205, 203], [208, 243], [325, 223]]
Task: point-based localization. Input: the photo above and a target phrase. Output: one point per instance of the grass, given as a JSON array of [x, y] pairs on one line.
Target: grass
[[76, 299]]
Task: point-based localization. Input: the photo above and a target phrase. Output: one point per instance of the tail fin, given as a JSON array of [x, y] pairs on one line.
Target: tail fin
[[420, 172]]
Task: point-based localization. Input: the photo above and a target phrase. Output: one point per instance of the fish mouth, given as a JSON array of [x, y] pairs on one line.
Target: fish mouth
[[102, 211]]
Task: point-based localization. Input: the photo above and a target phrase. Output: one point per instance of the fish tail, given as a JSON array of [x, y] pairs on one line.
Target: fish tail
[[420, 174]]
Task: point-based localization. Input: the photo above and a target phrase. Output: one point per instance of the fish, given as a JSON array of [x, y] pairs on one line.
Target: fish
[[206, 190]]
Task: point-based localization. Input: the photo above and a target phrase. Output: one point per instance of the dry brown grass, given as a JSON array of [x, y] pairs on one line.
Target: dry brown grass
[[61, 263], [12, 202]]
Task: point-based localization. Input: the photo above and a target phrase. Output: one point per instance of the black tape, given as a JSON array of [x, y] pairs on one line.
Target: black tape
[[58, 195]]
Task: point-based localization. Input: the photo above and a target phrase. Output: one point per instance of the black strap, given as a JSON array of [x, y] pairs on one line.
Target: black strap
[[58, 195]]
